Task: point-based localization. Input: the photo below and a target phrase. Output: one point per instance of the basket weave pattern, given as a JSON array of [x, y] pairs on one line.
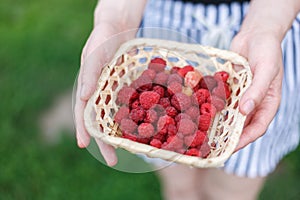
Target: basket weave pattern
[[132, 59]]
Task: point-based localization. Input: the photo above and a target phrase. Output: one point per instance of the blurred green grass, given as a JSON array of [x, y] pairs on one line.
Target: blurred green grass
[[41, 42]]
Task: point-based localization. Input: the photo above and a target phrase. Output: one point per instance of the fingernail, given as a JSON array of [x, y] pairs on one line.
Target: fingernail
[[248, 106], [83, 92]]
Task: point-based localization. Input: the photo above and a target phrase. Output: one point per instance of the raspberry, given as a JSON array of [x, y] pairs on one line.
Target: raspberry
[[218, 103], [122, 113], [204, 122], [183, 71], [174, 69], [149, 99], [172, 130], [209, 109], [205, 150], [222, 90], [157, 64], [156, 143], [193, 152], [164, 121], [137, 114], [135, 104], [181, 101], [193, 112], [161, 78], [175, 78], [195, 140], [150, 73], [186, 126], [160, 110], [192, 79], [160, 136], [165, 102], [143, 83], [126, 95], [127, 125], [201, 95], [208, 82], [129, 136], [146, 130], [221, 76], [151, 116], [159, 90], [171, 111], [181, 116], [174, 87], [174, 142], [143, 140]]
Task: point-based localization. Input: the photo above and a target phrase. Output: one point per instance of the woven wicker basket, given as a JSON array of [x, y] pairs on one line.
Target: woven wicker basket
[[132, 59]]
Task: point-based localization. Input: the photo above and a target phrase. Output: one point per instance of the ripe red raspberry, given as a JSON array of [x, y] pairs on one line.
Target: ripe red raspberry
[[160, 136], [165, 102], [151, 116], [193, 152], [193, 112], [186, 126], [129, 136], [201, 95], [181, 116], [149, 99], [195, 140], [204, 122], [205, 150], [175, 78], [161, 78], [218, 103], [143, 83], [135, 104], [156, 143], [174, 142], [126, 95], [172, 130], [127, 125], [146, 130], [222, 90], [221, 76], [174, 69], [137, 114], [157, 64], [208, 82], [122, 113], [183, 71], [150, 73], [192, 79], [174, 87], [171, 111], [209, 109], [181, 101], [159, 90], [164, 121]]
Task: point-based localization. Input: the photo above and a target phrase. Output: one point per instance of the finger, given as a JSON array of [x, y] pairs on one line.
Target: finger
[[83, 138], [108, 152]]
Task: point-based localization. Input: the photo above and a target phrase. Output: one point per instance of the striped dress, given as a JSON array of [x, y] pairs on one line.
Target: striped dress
[[216, 25]]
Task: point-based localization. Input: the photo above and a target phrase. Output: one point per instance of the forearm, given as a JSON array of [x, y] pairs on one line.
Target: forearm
[[126, 14], [274, 16]]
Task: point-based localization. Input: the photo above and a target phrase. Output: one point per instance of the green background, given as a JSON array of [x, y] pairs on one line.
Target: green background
[[41, 42]]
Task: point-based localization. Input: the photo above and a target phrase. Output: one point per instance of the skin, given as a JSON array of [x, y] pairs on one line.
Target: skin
[[259, 40]]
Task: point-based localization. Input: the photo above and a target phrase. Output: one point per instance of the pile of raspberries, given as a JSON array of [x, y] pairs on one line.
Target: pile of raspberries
[[172, 109]]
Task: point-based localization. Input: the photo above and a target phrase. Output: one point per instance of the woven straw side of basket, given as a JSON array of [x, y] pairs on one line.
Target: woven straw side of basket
[[132, 59]]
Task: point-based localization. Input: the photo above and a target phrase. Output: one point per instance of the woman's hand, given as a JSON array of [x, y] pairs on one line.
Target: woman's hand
[[114, 24], [261, 101]]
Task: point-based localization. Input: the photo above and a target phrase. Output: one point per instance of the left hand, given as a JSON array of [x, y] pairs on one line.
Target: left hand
[[261, 100]]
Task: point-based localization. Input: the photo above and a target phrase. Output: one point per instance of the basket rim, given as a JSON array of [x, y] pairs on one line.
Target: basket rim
[[135, 147]]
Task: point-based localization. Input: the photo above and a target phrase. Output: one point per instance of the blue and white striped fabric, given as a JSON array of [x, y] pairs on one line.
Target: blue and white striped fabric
[[203, 23]]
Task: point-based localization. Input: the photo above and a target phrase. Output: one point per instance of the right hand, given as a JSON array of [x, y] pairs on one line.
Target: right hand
[[96, 53]]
